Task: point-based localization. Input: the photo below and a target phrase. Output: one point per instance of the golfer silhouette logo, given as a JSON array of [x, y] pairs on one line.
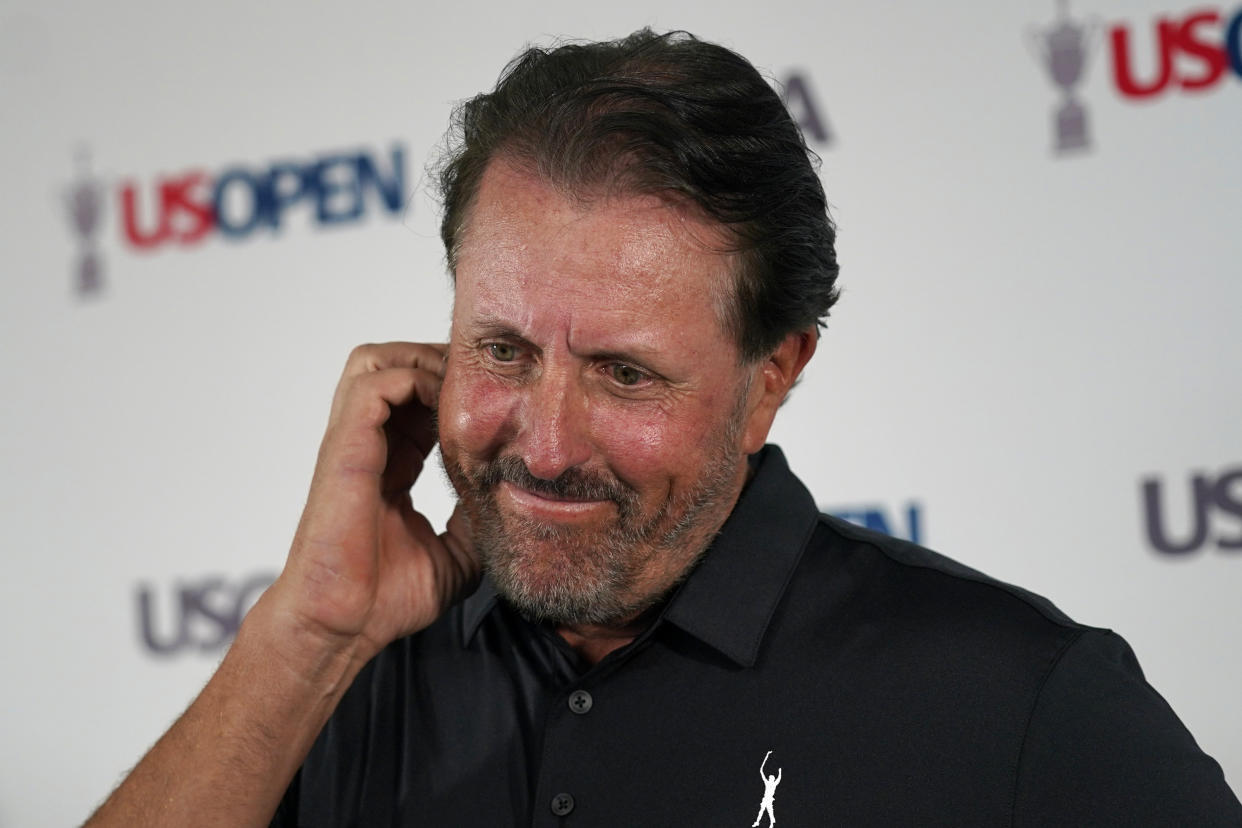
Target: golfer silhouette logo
[[769, 794]]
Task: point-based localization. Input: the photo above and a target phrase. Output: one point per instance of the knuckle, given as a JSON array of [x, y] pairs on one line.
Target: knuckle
[[374, 409], [364, 399], [361, 355]]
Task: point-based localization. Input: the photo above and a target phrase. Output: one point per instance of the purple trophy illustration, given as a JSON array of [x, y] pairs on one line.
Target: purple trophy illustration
[[84, 203], [1064, 48]]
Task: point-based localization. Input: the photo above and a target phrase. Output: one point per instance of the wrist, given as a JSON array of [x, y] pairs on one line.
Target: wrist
[[320, 661]]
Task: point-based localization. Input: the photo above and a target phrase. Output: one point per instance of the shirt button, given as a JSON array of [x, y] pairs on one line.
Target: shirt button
[[580, 702], [562, 804]]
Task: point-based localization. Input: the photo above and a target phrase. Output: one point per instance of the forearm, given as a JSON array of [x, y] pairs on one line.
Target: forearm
[[364, 569], [230, 756]]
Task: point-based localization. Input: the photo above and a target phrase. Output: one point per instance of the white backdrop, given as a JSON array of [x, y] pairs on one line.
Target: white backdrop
[[1026, 336]]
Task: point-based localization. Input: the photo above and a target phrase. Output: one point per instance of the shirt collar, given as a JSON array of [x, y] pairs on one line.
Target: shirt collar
[[729, 599], [477, 607]]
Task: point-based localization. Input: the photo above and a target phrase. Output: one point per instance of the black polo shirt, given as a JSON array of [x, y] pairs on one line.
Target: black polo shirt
[[891, 685]]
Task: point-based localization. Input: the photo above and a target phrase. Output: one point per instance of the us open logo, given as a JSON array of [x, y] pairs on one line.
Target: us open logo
[[905, 522], [1192, 52], [1064, 48], [1181, 518], [196, 615], [184, 209], [805, 108]]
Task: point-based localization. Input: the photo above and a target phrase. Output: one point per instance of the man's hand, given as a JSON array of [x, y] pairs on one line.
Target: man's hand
[[365, 567]]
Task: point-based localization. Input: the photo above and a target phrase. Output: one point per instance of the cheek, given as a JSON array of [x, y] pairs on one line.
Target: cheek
[[653, 448], [474, 413], [631, 437]]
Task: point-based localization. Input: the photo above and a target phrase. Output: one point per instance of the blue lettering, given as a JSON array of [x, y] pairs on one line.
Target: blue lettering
[[338, 191], [168, 644], [874, 520], [856, 517], [1233, 43], [391, 190], [206, 613], [877, 520], [288, 182], [1228, 495], [258, 194], [336, 184], [802, 108], [1157, 531], [207, 602], [914, 529]]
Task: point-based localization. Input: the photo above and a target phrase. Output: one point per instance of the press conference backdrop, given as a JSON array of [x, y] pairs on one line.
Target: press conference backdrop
[[1034, 367]]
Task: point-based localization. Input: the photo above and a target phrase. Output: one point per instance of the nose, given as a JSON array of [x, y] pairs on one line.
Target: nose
[[553, 435]]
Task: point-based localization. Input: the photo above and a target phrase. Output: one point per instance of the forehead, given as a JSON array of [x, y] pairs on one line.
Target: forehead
[[523, 232]]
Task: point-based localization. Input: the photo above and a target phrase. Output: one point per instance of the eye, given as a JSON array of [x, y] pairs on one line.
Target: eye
[[502, 351], [624, 374]]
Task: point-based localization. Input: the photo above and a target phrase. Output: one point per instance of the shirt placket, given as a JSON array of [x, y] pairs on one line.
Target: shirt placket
[[561, 798]]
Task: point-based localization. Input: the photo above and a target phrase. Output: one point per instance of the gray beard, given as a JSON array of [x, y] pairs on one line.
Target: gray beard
[[599, 579]]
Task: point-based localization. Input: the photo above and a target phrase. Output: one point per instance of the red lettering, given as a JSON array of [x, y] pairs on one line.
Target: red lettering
[[1204, 61], [1167, 33], [1211, 55], [185, 213], [129, 213], [193, 218]]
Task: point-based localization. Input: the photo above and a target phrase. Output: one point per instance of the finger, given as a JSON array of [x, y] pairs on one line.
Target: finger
[[356, 436], [376, 357], [354, 453], [366, 359], [408, 449], [369, 399]]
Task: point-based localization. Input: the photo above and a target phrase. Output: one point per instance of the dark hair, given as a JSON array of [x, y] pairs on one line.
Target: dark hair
[[672, 115]]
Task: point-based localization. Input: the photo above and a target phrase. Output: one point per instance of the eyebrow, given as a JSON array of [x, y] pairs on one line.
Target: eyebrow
[[494, 325], [633, 353]]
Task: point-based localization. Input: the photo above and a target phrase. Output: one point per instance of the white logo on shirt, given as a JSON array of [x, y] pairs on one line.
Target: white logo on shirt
[[769, 794]]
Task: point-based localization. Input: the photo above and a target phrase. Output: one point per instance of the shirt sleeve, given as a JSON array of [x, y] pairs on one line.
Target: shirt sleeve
[[1103, 748]]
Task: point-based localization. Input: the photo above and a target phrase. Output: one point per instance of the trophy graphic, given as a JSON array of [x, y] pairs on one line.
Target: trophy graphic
[[84, 203], [1064, 48]]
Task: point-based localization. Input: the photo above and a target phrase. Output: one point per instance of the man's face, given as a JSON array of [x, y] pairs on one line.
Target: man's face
[[594, 414]]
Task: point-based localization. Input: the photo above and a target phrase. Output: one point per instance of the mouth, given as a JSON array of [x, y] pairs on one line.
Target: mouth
[[549, 507]]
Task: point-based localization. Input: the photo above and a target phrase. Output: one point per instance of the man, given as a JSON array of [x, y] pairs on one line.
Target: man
[[769, 794], [642, 256]]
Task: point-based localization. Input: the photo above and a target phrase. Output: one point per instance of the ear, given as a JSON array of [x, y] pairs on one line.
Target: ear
[[773, 378]]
